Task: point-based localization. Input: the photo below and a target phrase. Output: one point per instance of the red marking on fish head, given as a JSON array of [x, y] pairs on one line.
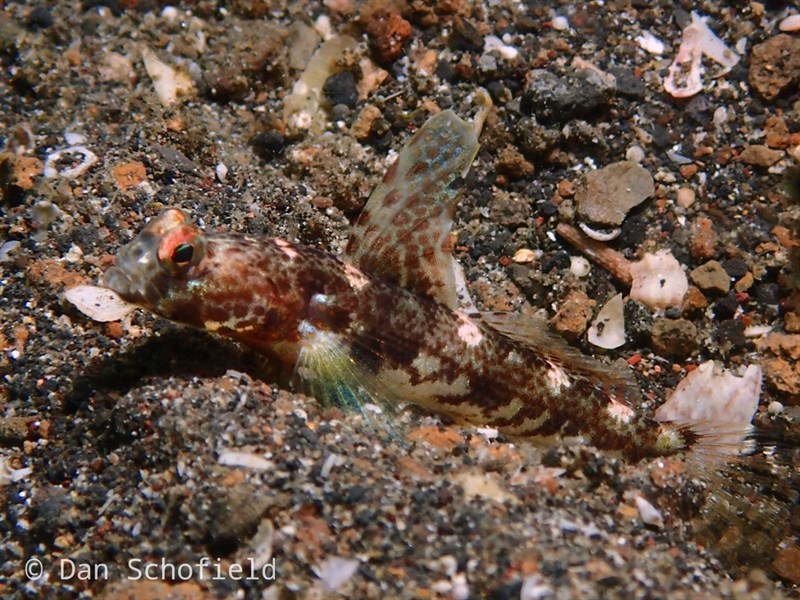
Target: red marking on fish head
[[181, 248]]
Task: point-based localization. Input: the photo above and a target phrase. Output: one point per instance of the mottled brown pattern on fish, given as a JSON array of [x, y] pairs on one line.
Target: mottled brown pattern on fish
[[260, 291], [388, 316]]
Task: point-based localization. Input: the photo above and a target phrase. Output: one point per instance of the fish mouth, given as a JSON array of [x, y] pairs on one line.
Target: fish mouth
[[137, 272]]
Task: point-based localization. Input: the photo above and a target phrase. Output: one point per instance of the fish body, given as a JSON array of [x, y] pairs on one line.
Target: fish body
[[392, 317]]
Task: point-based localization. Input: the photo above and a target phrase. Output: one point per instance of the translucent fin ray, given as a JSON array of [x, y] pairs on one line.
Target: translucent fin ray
[[402, 236]]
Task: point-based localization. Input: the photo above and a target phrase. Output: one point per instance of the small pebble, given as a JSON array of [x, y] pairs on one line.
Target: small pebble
[[703, 242], [686, 197], [560, 23], [170, 14], [268, 144], [775, 408], [635, 154], [579, 266], [787, 564], [524, 256], [674, 337], [573, 315], [494, 43], [388, 34], [760, 156], [566, 189], [340, 88], [790, 23], [39, 18], [774, 65], [340, 112], [711, 277]]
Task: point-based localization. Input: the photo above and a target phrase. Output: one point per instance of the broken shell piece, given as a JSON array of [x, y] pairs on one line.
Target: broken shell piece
[[790, 23], [221, 172], [650, 43], [492, 42], [659, 281], [89, 158], [608, 329], [116, 67], [579, 266], [524, 256], [649, 513], [605, 196], [685, 77], [170, 84], [97, 303], [336, 571], [247, 460], [301, 109], [9, 475], [712, 396], [600, 236]]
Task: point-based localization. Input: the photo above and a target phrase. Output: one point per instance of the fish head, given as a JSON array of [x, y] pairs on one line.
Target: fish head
[[162, 262], [238, 286]]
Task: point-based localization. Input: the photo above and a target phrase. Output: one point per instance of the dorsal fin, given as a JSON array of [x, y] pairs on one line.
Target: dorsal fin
[[535, 333], [402, 234]]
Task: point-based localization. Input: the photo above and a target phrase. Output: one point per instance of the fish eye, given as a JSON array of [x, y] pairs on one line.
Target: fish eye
[[182, 254], [180, 249]]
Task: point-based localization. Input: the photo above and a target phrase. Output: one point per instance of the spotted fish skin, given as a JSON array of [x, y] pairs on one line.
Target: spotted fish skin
[[283, 299], [392, 317]]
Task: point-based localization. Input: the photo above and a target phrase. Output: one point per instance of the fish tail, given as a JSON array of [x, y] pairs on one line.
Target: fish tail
[[749, 517]]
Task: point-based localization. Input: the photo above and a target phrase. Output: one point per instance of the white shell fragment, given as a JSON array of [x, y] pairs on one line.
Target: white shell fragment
[[560, 23], [50, 169], [685, 72], [9, 475], [600, 236], [336, 571], [650, 43], [649, 513], [301, 109], [659, 281], [710, 394], [534, 588], [233, 458], [608, 329], [790, 23], [7, 248], [332, 461], [262, 543], [170, 84], [98, 303], [221, 171], [492, 42], [579, 266], [73, 138]]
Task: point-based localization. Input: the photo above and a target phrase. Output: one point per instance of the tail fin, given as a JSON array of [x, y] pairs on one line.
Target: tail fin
[[750, 517], [717, 407], [751, 477]]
